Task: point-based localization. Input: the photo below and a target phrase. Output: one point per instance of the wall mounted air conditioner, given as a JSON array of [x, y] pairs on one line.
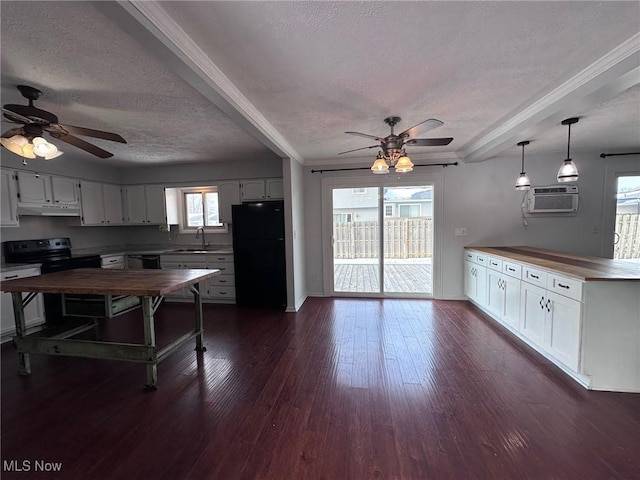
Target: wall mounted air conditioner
[[552, 199]]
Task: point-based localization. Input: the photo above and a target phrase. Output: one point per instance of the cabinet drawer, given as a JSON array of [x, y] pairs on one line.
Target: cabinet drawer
[[23, 273], [221, 258], [535, 276], [481, 259], [223, 280], [494, 264], [470, 256], [218, 291], [512, 269], [225, 268], [565, 286]]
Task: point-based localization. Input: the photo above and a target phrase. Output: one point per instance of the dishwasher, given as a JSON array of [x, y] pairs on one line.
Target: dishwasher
[[143, 262]]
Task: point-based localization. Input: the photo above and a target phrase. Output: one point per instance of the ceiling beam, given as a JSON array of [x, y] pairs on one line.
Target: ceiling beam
[[164, 38], [601, 81]]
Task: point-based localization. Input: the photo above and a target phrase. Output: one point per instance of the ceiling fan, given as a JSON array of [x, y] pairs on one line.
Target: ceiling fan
[[393, 144], [36, 121]]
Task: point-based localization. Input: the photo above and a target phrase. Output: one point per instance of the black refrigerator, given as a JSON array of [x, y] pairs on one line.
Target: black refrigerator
[[258, 253]]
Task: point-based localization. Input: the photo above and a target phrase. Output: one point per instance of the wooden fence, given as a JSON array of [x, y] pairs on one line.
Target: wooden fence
[[403, 238], [628, 232]]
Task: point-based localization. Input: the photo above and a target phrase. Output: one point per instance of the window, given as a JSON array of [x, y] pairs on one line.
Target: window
[[341, 217], [410, 210], [388, 210], [200, 208]]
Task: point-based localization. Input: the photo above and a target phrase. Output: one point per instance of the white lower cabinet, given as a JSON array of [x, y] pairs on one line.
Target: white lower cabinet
[[219, 289], [33, 312], [475, 281], [589, 329], [562, 339], [532, 312]]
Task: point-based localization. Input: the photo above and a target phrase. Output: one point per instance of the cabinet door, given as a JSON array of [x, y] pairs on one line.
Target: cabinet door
[[33, 312], [533, 304], [469, 280], [274, 189], [253, 190], [64, 191], [563, 331], [481, 285], [92, 203], [511, 289], [135, 204], [155, 201], [112, 204], [228, 194], [495, 294], [9, 191], [34, 188]]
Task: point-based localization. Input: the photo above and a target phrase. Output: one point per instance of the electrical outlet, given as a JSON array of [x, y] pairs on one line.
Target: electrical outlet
[[460, 232]]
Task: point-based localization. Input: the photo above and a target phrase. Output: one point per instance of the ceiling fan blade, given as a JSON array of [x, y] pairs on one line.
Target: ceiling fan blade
[[428, 142], [12, 132], [87, 132], [363, 148], [365, 135], [78, 142], [14, 117], [425, 126]]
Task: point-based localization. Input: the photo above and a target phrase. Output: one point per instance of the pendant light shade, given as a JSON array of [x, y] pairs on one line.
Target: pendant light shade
[[568, 171], [523, 182]]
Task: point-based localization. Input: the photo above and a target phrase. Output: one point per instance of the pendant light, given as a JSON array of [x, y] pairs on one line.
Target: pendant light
[[523, 182], [568, 171]]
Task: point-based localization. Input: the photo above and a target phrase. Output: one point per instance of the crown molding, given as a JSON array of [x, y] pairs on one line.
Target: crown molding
[[217, 86], [602, 80]]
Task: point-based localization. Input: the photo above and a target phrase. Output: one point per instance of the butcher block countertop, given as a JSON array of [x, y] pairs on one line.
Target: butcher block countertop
[[110, 282], [583, 268]]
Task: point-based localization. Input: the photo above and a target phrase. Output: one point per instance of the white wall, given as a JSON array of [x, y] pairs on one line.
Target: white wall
[[481, 197], [295, 234]]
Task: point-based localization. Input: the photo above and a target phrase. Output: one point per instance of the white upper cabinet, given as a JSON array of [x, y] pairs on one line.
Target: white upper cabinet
[[39, 189], [101, 203], [254, 190], [9, 191], [34, 188], [228, 194], [145, 204], [64, 191]]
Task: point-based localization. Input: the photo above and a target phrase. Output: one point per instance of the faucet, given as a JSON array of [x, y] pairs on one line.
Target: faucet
[[198, 231]]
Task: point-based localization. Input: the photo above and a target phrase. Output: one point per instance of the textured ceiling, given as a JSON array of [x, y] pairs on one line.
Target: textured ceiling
[[206, 81]]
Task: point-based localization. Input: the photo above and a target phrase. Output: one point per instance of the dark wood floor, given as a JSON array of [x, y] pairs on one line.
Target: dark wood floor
[[344, 389]]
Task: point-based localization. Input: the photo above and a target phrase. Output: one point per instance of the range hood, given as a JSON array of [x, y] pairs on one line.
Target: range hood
[[48, 210]]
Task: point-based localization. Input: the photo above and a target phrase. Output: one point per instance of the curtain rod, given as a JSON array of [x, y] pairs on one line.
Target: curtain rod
[[368, 168], [604, 155]]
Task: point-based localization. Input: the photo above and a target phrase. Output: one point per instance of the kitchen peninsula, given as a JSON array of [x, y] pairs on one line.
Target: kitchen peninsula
[[149, 285], [582, 313]]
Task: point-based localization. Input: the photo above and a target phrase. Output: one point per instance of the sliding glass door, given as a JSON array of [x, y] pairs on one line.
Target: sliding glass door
[[382, 240]]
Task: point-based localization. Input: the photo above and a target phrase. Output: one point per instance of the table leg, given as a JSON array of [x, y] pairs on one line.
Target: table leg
[[24, 363], [197, 300], [150, 340]]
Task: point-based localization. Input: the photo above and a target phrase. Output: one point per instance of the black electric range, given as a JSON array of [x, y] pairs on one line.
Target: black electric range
[[53, 255]]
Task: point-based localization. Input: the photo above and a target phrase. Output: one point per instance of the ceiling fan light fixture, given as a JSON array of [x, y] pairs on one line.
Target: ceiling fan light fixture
[[523, 182], [404, 164], [568, 171], [18, 144], [380, 167], [42, 148]]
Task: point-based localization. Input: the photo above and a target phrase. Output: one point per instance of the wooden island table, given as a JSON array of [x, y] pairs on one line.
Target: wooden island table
[[149, 285]]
